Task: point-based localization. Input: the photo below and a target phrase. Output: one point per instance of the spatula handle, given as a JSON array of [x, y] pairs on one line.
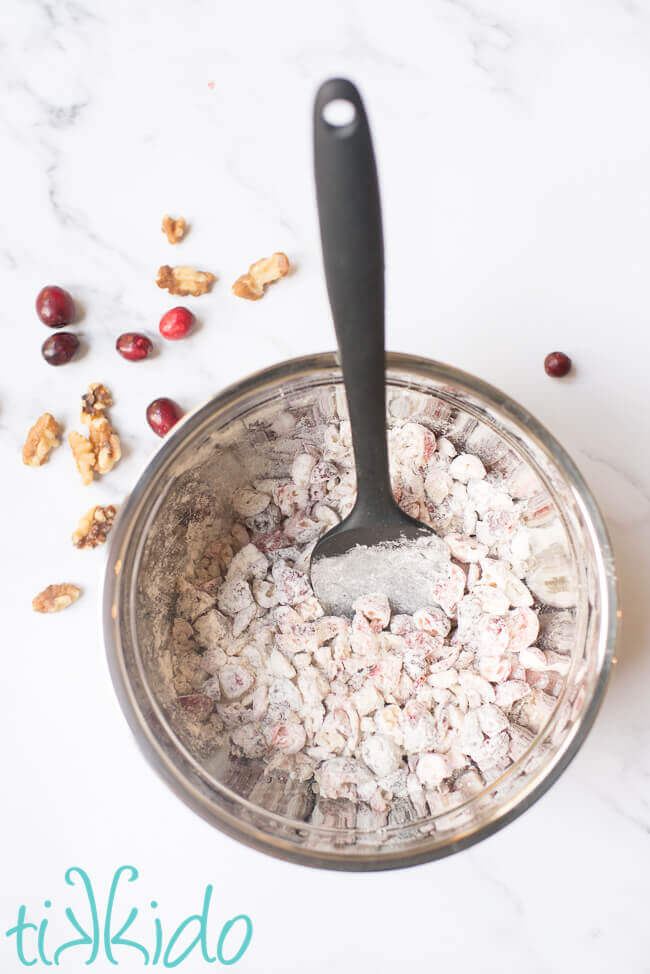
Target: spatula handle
[[353, 252]]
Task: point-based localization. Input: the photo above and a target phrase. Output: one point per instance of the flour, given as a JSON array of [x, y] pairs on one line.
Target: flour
[[405, 570], [424, 706]]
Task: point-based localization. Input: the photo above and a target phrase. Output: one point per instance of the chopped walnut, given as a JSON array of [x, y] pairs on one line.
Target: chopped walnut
[[101, 450], [42, 437], [83, 454], [55, 597], [106, 445], [94, 527], [94, 402], [184, 280], [260, 274], [174, 230]]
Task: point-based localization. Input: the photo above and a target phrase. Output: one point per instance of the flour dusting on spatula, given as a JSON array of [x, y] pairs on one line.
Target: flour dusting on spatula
[[404, 570]]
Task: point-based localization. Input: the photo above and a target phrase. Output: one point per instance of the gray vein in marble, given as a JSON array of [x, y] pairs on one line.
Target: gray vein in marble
[[632, 818], [65, 217], [52, 119], [259, 191], [8, 259], [625, 475], [487, 37], [505, 889], [60, 16], [58, 116], [62, 116], [354, 46], [77, 13], [357, 41], [633, 8]]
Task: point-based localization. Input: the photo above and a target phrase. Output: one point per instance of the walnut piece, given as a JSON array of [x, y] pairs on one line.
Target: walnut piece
[[94, 526], [83, 454], [263, 272], [106, 445], [184, 280], [174, 230], [42, 437], [101, 450], [55, 597], [94, 402]]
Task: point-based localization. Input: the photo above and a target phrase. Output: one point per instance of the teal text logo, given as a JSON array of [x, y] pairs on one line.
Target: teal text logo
[[123, 933]]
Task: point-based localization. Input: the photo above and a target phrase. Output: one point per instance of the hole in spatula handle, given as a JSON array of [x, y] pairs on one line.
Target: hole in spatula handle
[[340, 114]]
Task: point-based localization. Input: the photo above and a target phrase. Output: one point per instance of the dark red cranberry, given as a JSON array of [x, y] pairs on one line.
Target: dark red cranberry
[[557, 364], [196, 705], [54, 306], [176, 323], [133, 346], [162, 414], [59, 349]]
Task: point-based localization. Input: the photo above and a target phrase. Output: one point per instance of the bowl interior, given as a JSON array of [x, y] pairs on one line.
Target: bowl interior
[[183, 502]]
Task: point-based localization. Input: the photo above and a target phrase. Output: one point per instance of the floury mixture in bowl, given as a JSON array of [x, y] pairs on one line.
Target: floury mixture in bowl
[[384, 738]]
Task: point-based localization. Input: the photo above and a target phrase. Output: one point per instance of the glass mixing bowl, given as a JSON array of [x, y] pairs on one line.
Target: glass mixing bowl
[[186, 487]]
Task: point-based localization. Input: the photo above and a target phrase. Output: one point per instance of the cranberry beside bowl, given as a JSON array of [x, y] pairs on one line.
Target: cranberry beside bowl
[[250, 431]]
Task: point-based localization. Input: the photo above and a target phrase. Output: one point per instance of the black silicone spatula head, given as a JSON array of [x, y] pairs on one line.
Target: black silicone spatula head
[[377, 549]]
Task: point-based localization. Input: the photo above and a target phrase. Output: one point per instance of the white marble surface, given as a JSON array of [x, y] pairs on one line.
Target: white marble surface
[[514, 151]]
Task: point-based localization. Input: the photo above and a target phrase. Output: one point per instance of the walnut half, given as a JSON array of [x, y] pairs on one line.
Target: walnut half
[[106, 444], [263, 272], [42, 437], [55, 597], [94, 526], [184, 280], [84, 455], [174, 230], [101, 450]]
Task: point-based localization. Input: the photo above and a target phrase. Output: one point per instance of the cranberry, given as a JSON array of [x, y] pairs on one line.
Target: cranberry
[[196, 705], [133, 346], [176, 323], [162, 414], [59, 349], [557, 364], [54, 306]]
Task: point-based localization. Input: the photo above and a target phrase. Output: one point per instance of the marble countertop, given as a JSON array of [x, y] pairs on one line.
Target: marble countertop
[[514, 154]]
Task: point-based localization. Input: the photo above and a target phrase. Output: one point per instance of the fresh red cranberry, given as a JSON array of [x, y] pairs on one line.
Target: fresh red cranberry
[[133, 346], [59, 349], [54, 306], [557, 364], [162, 414], [176, 323]]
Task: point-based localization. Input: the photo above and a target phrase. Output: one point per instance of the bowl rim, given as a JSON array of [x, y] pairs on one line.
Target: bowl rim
[[148, 743]]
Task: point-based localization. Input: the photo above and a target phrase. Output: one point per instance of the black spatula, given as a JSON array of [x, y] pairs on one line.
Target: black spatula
[[377, 549]]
